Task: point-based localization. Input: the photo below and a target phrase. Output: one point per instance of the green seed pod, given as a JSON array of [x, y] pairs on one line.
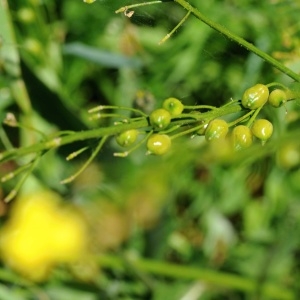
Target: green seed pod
[[127, 138], [262, 129], [173, 106], [158, 144], [160, 118], [216, 129], [26, 15], [277, 98], [241, 137], [255, 97], [288, 156]]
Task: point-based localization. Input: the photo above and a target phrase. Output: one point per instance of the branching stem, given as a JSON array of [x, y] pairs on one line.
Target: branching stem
[[224, 31]]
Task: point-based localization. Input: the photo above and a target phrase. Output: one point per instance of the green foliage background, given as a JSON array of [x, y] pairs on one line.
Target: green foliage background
[[189, 207]]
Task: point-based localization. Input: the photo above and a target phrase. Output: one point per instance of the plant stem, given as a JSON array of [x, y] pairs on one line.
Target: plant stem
[[90, 159], [224, 31], [76, 136], [143, 124], [125, 8], [215, 278], [175, 28]]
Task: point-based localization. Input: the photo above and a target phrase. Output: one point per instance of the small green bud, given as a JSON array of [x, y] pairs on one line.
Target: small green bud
[[256, 96], [262, 129], [158, 144], [127, 138], [216, 129], [174, 106], [160, 118], [277, 98], [241, 137]]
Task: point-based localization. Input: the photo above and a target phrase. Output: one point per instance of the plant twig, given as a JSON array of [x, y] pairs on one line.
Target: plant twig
[[215, 278], [231, 36]]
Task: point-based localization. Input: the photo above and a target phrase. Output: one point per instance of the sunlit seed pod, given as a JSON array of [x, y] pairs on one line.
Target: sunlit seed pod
[[262, 129], [256, 96], [241, 137], [216, 129], [26, 15], [221, 150], [277, 98], [158, 144], [288, 156], [160, 118], [127, 138], [33, 46], [173, 105]]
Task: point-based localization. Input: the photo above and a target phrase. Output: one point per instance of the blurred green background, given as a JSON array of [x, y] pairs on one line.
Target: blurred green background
[[60, 58]]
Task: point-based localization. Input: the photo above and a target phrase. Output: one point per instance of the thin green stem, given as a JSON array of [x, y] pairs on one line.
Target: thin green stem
[[277, 85], [241, 118], [215, 278], [13, 192], [99, 116], [175, 28], [90, 159], [199, 107], [103, 107], [231, 102], [76, 153], [125, 8], [185, 132], [15, 173], [4, 139], [224, 31], [170, 129], [254, 116]]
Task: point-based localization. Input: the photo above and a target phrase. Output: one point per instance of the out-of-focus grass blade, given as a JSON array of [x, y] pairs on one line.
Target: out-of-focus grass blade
[[11, 60], [104, 58], [49, 104], [9, 53], [7, 293]]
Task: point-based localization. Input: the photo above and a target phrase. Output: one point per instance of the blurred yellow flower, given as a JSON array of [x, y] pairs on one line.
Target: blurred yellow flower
[[40, 233]]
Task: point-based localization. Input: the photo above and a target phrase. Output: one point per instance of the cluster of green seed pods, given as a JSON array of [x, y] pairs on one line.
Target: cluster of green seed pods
[[259, 94], [241, 136], [241, 133], [160, 143]]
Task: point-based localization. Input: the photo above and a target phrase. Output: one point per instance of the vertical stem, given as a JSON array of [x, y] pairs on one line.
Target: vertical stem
[[239, 40]]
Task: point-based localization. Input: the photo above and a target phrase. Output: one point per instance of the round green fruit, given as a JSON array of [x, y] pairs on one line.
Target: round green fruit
[[216, 129], [158, 144], [288, 156], [173, 106], [256, 96], [277, 98], [242, 137], [127, 137], [262, 129], [160, 118]]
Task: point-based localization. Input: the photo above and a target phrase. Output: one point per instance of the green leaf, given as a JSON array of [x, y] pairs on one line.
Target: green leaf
[[101, 57]]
